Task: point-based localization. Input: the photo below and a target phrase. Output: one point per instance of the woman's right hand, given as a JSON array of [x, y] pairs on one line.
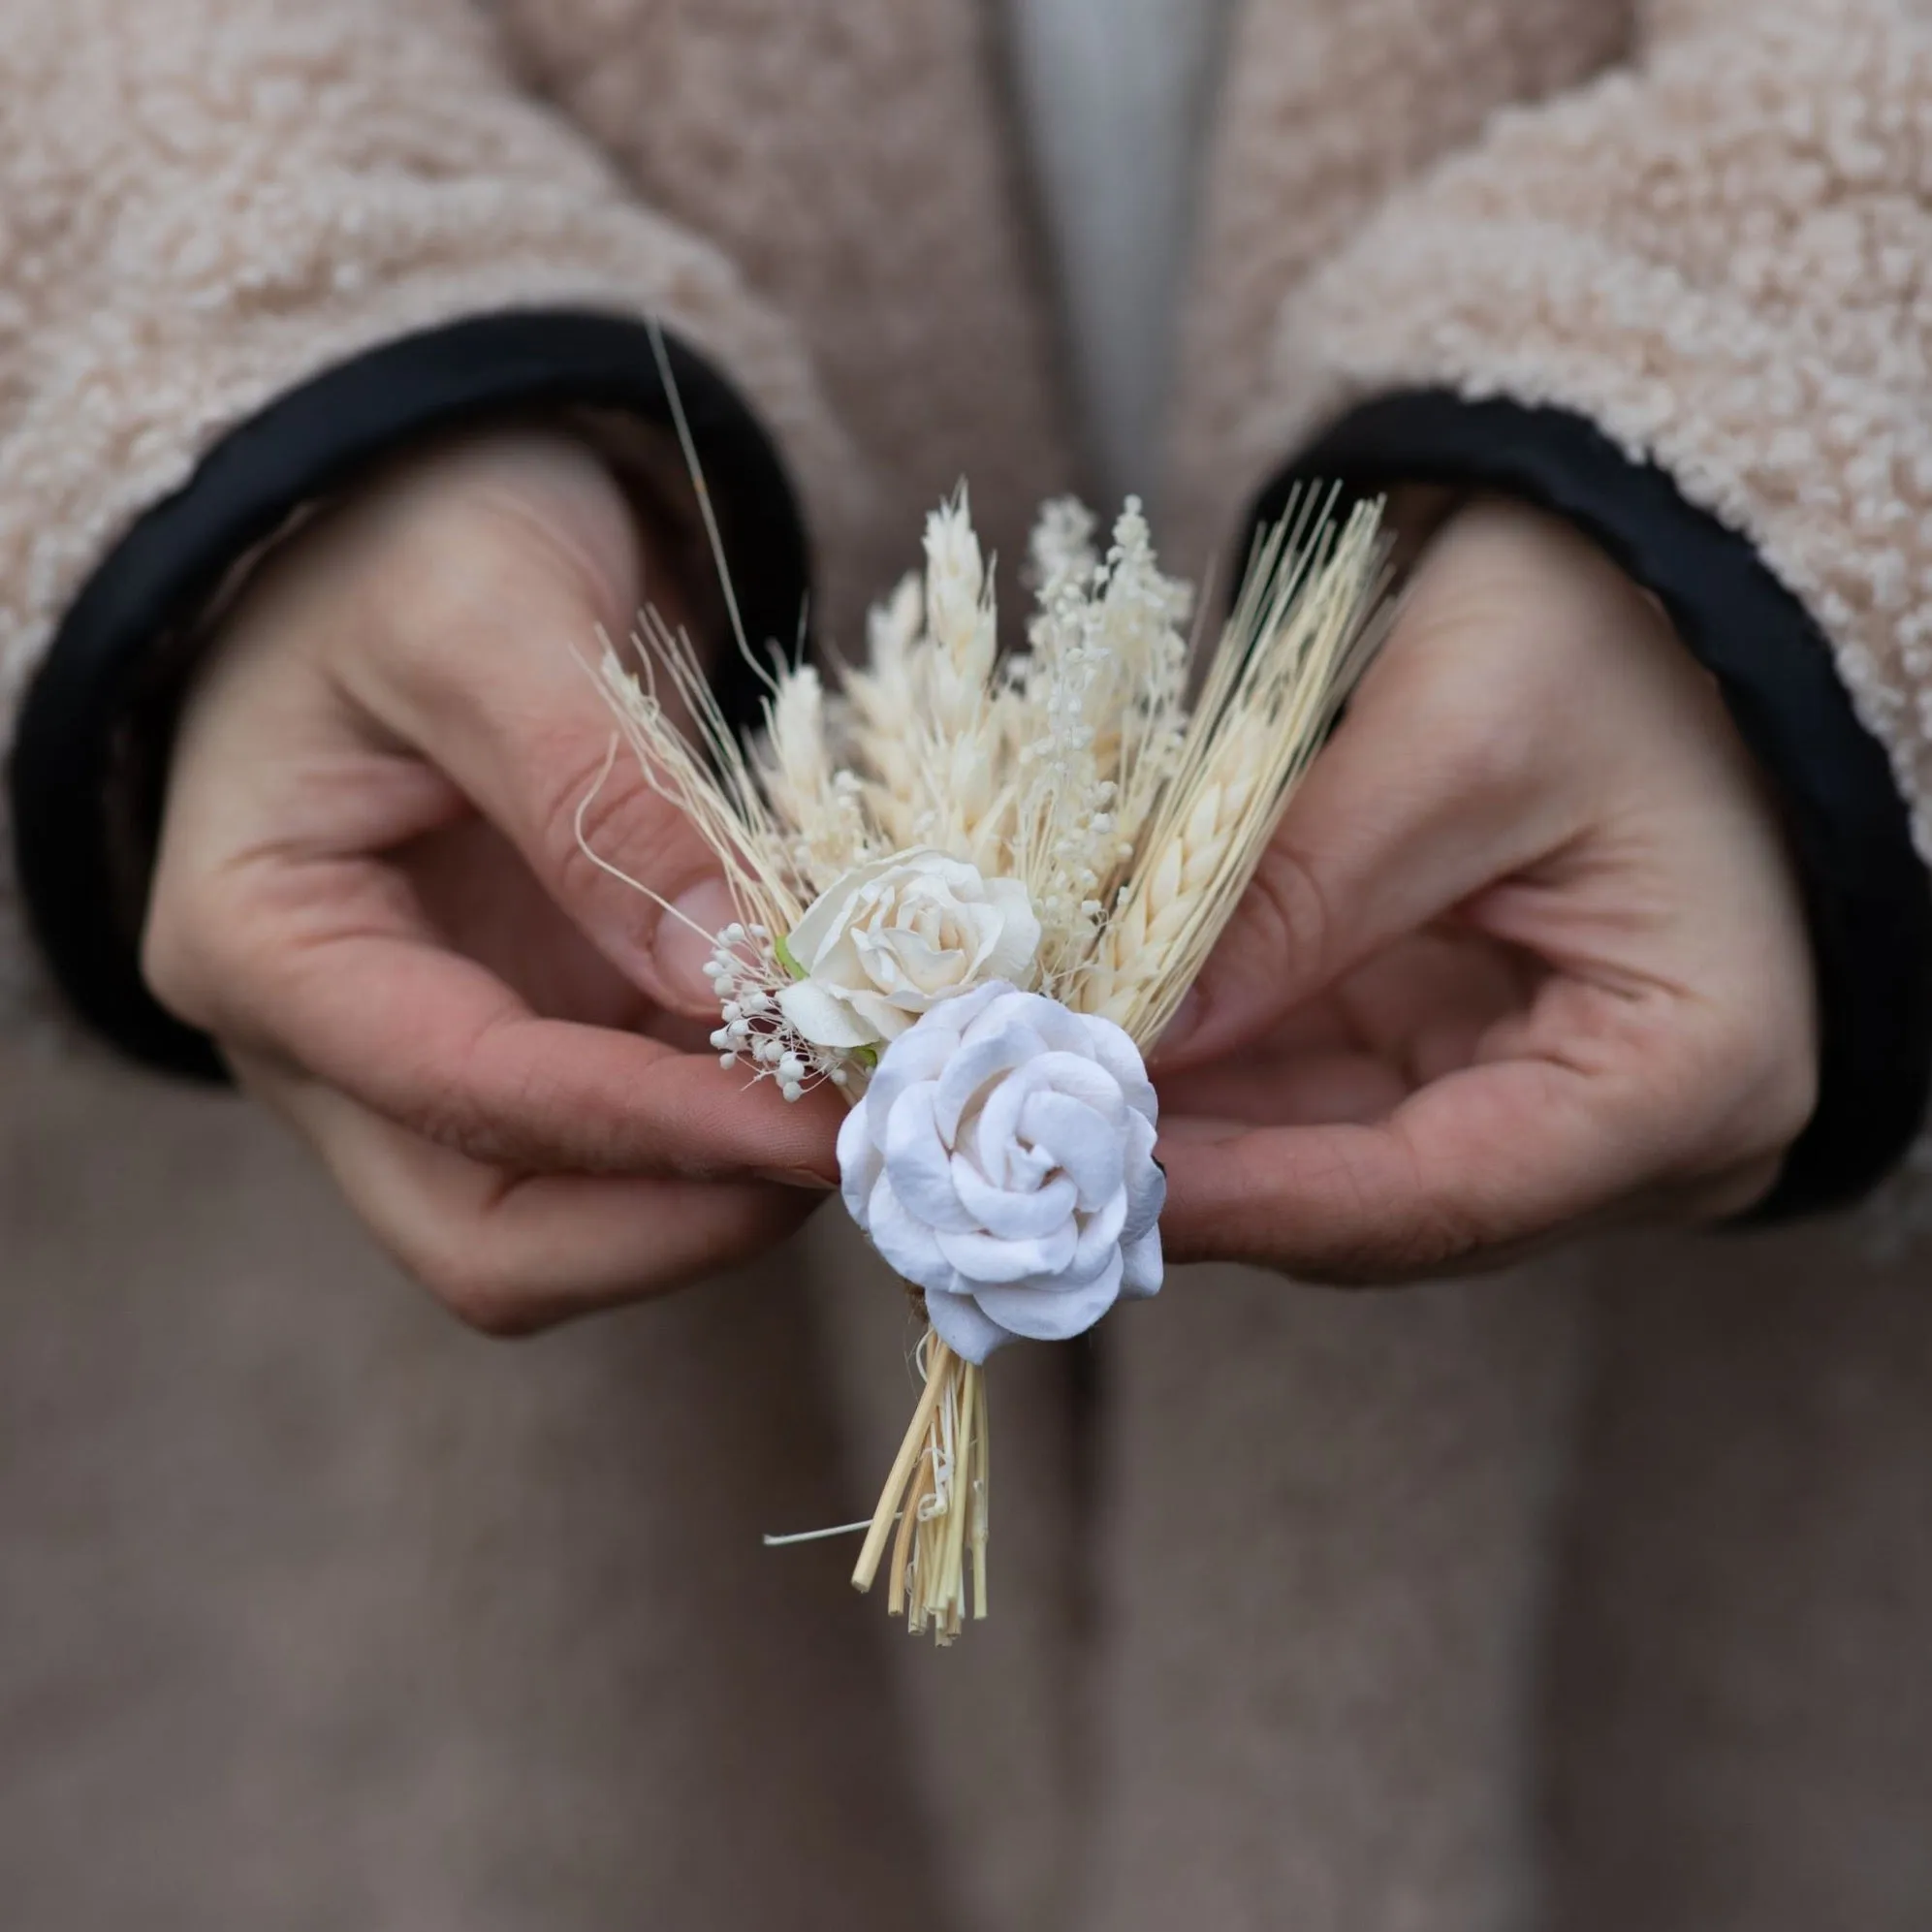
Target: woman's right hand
[[370, 892]]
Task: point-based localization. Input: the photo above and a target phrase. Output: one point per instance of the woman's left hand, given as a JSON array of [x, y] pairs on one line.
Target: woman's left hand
[[1527, 954]]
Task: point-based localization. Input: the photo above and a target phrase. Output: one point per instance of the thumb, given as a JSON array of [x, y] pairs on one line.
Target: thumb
[[1423, 796], [509, 564]]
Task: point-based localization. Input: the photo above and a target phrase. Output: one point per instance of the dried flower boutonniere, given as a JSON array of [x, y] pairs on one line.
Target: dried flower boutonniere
[[971, 892]]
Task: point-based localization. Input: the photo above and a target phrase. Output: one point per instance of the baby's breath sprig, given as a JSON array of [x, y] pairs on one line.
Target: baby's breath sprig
[[747, 971]]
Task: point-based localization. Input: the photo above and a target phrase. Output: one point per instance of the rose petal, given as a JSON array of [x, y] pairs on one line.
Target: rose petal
[[904, 966], [907, 1243], [1082, 1078], [1060, 1030], [1012, 1213], [859, 1163], [1041, 1317], [826, 916], [1115, 1050], [982, 1257], [1006, 1019], [957, 1014], [1099, 1237], [877, 962], [822, 1017], [886, 1020], [1018, 939], [958, 1323], [992, 951], [1004, 1164], [1141, 1266], [1009, 1009], [1084, 1144], [999, 1135], [976, 1062], [960, 875], [920, 1163], [1147, 1184], [921, 1053]]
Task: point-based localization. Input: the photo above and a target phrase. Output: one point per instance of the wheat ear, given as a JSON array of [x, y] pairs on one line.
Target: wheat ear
[[1306, 621]]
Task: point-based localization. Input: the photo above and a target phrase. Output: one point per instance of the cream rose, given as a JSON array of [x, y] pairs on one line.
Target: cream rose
[[1003, 1159], [889, 940]]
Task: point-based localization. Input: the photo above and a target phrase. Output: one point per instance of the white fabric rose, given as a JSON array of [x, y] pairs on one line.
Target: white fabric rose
[[1003, 1159], [889, 940]]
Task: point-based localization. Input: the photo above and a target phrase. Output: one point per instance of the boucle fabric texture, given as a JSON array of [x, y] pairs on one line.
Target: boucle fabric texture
[[1715, 250], [1593, 1598]]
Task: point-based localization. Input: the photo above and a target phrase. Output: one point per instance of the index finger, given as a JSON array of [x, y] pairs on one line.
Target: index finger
[[360, 994], [1468, 1171]]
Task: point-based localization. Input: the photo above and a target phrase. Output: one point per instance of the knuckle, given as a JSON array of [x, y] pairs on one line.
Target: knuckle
[[502, 1317], [168, 959], [1768, 1081], [500, 1104], [461, 1271], [1401, 1230], [591, 813], [1437, 1228], [1488, 734], [1288, 907], [488, 554], [195, 953], [1793, 1096], [1495, 757], [1433, 1237], [471, 1106]]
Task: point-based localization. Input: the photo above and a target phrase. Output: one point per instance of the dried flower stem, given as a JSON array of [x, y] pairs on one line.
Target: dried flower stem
[[938, 1493]]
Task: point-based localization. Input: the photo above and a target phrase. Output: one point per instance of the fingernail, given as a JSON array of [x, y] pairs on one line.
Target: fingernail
[[1187, 1019], [687, 936], [797, 1177]]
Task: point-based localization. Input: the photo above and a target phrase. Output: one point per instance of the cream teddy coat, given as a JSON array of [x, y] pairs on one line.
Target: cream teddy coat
[[1587, 1598]]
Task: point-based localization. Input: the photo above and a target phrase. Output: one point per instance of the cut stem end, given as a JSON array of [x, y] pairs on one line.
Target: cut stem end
[[938, 1493]]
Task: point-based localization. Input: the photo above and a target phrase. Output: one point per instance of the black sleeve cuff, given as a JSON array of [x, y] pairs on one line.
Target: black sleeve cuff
[[1868, 896], [87, 730]]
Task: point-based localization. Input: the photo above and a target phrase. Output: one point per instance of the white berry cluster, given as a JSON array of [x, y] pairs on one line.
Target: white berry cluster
[[744, 969]]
